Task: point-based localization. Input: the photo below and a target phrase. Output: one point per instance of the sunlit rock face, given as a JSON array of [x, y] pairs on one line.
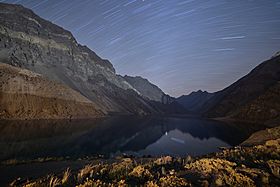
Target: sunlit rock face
[[31, 42], [28, 95], [260, 137]]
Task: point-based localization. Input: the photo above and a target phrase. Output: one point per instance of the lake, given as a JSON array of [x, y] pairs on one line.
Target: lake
[[149, 136]]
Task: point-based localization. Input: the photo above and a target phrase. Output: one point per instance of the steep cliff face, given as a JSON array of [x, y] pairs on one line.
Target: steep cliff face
[[255, 97], [28, 41], [195, 100], [28, 95]]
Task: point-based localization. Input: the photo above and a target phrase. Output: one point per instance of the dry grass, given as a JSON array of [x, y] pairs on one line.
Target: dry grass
[[238, 166], [66, 176], [54, 181], [87, 170], [32, 184]]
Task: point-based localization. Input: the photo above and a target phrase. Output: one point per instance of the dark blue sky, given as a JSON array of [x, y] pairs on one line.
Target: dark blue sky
[[180, 45]]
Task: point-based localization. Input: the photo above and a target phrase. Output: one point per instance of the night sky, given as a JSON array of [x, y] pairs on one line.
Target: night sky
[[180, 45]]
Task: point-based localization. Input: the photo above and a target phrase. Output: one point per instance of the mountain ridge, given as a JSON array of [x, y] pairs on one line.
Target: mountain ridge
[[38, 45], [252, 98], [148, 89], [195, 100]]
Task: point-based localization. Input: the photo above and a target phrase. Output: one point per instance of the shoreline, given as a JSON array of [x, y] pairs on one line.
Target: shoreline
[[269, 150]]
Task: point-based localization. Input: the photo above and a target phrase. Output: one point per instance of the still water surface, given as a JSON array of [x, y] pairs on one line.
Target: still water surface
[[114, 136]]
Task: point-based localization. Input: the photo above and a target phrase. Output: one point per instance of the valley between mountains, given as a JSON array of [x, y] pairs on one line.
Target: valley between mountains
[[45, 74], [70, 71]]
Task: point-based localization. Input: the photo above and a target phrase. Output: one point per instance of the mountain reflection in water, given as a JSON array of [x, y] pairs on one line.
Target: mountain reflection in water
[[113, 136]]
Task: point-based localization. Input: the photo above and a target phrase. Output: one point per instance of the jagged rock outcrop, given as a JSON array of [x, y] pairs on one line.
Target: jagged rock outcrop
[[195, 100], [254, 98], [30, 42], [28, 95], [260, 137]]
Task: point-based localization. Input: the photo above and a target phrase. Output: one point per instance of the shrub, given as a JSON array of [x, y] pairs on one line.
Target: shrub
[[85, 172], [173, 181]]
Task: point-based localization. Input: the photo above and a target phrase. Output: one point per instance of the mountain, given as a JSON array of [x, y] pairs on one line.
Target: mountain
[[148, 90], [30, 42], [28, 95], [195, 100], [255, 97], [156, 96]]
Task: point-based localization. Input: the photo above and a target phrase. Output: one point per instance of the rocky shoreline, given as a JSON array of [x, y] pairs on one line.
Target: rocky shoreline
[[257, 164]]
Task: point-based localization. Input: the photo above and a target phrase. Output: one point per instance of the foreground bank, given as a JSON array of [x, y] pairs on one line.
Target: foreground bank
[[254, 164]]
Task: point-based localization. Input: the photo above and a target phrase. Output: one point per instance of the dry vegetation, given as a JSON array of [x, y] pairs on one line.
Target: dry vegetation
[[239, 166]]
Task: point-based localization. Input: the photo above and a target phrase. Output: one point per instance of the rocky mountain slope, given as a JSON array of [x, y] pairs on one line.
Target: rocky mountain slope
[[157, 98], [195, 100], [254, 98], [30, 42], [28, 95], [264, 108], [148, 90]]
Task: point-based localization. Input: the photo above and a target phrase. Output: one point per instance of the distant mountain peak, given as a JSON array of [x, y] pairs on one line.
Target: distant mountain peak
[[145, 87], [198, 92], [194, 101]]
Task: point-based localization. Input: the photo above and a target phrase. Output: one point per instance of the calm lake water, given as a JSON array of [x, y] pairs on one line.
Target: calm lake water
[[114, 136]]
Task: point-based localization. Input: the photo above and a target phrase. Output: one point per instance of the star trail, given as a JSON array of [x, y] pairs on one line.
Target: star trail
[[180, 45]]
